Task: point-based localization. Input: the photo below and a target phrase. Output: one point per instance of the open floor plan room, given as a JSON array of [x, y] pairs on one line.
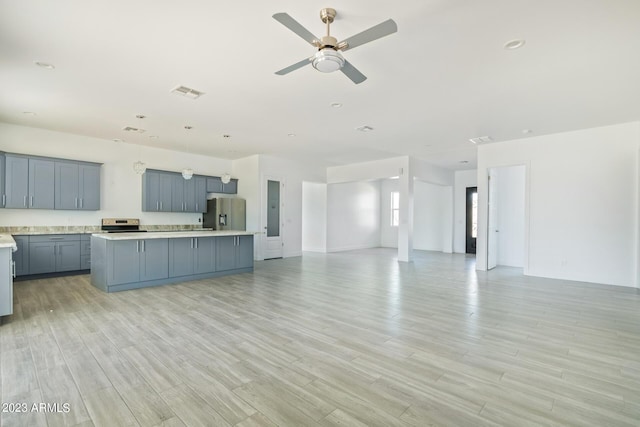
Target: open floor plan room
[[353, 339]]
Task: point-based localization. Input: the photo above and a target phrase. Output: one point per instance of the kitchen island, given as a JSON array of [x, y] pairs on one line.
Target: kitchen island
[[123, 261], [7, 246]]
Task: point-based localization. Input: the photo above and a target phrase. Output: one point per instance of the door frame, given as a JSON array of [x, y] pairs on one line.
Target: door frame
[[263, 213]]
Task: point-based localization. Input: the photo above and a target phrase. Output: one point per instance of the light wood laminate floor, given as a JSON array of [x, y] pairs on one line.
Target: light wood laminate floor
[[349, 339]]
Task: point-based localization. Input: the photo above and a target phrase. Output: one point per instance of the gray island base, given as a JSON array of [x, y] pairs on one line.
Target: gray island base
[[123, 261]]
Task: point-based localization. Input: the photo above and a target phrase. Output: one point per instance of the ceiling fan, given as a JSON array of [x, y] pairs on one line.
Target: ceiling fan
[[328, 57]]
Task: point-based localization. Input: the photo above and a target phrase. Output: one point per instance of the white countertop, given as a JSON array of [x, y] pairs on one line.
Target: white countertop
[[6, 241], [169, 234]]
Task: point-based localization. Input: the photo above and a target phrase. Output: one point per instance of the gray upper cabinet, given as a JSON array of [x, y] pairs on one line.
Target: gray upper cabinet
[[215, 185], [177, 193], [3, 196], [44, 183], [156, 191], [41, 183], [188, 195], [164, 191], [77, 186], [89, 186], [231, 187], [201, 193], [16, 181]]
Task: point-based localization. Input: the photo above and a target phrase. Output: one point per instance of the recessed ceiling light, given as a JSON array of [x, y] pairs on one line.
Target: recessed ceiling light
[[364, 128], [226, 135], [188, 127], [336, 104], [291, 134], [29, 113], [45, 65], [153, 137], [140, 116], [514, 44], [481, 140], [527, 131], [463, 161]]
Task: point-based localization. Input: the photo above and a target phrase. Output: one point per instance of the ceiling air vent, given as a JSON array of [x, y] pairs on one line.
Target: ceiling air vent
[[187, 91], [481, 140], [132, 129]]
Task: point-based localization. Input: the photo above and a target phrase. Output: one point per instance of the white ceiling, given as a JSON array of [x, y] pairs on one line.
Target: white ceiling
[[443, 78]]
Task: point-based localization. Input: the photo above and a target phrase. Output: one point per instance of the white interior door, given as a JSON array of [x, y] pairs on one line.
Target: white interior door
[[273, 223], [492, 221]]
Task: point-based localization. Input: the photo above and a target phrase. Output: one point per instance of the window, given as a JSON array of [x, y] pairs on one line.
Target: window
[[395, 208]]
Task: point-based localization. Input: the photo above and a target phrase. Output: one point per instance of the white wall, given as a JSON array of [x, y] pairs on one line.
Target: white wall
[[353, 216], [511, 213], [463, 179], [581, 197], [120, 186], [388, 234], [314, 217], [432, 217]]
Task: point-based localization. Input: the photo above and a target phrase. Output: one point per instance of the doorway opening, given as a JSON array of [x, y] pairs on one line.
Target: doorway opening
[[506, 217], [472, 220]]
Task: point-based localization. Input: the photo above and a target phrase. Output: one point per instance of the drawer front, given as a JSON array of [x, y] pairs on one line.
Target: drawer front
[[42, 238]]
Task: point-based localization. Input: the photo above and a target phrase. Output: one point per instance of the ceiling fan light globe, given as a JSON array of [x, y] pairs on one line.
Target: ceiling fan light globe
[[328, 60]]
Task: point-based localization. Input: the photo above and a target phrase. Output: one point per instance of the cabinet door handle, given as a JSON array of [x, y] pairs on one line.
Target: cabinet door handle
[[76, 203], [143, 248], [31, 201], [81, 202], [192, 243], [196, 240], [4, 200], [138, 246], [25, 201], [157, 205], [13, 268], [160, 205]]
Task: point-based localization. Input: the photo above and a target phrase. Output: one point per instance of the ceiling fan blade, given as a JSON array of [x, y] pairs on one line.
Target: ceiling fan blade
[[353, 73], [295, 26], [294, 67], [378, 31]]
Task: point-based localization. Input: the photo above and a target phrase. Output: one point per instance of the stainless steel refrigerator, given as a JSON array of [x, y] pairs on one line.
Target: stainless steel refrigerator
[[225, 213]]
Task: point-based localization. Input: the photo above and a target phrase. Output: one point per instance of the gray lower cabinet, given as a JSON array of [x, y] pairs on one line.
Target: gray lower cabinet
[[85, 252], [137, 261], [122, 264], [21, 256], [54, 253], [191, 255], [6, 282], [234, 252]]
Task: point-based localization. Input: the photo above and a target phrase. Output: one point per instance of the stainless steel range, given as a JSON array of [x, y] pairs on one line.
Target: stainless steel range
[[121, 225]]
